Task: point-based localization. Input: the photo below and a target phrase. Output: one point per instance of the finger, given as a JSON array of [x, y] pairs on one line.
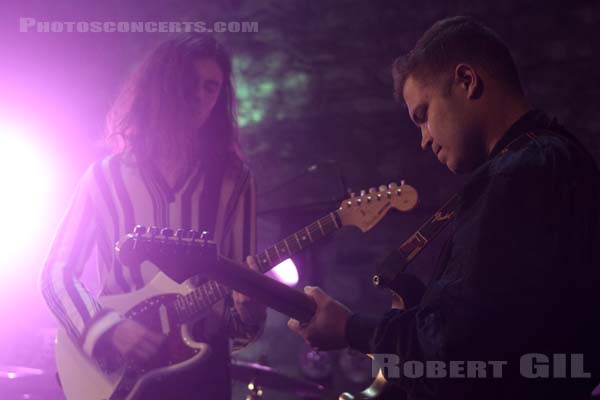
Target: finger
[[252, 263], [316, 293], [146, 348], [138, 357], [295, 326], [239, 297], [154, 337]]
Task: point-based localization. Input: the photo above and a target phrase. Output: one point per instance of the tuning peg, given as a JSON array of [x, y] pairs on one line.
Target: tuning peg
[[166, 232], [362, 193], [372, 190], [349, 202], [392, 185], [382, 188], [139, 229], [205, 235], [154, 230], [193, 234], [180, 233]]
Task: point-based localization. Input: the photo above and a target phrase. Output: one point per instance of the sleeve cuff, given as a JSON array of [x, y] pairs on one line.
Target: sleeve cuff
[[98, 327], [360, 329]]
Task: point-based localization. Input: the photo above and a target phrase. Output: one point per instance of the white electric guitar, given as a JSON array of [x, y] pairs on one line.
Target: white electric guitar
[[167, 306]]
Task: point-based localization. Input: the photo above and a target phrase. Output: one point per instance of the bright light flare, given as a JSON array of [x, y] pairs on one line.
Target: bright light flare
[[25, 179], [286, 272]]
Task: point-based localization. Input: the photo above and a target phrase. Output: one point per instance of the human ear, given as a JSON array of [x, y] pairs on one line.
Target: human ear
[[468, 80]]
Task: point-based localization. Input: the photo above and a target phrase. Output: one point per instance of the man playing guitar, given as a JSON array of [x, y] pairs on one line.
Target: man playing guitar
[[521, 272]]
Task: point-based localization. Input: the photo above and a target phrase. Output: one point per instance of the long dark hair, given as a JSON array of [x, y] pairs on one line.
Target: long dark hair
[[154, 110]]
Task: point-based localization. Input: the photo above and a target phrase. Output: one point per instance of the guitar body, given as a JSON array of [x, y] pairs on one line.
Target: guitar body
[[83, 379], [407, 291], [380, 389]]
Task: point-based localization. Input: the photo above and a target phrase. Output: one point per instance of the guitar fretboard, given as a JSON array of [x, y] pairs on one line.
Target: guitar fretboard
[[297, 242], [189, 306]]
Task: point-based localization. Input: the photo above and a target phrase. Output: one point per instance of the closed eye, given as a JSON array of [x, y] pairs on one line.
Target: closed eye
[[419, 116]]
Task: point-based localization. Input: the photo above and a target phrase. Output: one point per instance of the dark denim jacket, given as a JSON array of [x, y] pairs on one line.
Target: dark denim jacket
[[520, 275]]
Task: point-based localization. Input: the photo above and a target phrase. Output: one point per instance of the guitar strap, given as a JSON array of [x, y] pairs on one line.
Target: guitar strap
[[391, 273]]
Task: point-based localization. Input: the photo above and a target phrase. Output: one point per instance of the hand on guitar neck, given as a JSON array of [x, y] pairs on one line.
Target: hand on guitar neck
[[251, 312], [327, 329]]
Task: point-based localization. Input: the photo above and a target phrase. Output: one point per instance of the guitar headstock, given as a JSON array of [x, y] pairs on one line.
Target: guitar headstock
[[179, 254], [367, 209]]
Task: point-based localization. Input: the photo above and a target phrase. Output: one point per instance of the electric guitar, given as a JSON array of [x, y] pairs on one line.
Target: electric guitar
[[170, 304]]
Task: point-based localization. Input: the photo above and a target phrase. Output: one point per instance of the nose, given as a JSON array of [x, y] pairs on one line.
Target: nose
[[425, 138]]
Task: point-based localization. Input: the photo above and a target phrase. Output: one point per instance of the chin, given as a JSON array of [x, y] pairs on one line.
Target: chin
[[456, 167], [454, 170], [460, 168]]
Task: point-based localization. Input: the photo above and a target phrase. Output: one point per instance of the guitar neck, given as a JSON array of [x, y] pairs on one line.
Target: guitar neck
[[265, 290], [209, 293], [296, 242]]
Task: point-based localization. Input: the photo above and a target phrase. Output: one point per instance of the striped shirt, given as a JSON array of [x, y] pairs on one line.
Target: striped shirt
[[113, 196]]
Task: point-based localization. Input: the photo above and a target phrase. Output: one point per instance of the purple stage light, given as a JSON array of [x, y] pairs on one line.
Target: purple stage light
[[286, 272], [26, 180]]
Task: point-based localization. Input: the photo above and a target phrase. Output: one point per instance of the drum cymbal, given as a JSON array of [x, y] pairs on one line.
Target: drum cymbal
[[267, 377]]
